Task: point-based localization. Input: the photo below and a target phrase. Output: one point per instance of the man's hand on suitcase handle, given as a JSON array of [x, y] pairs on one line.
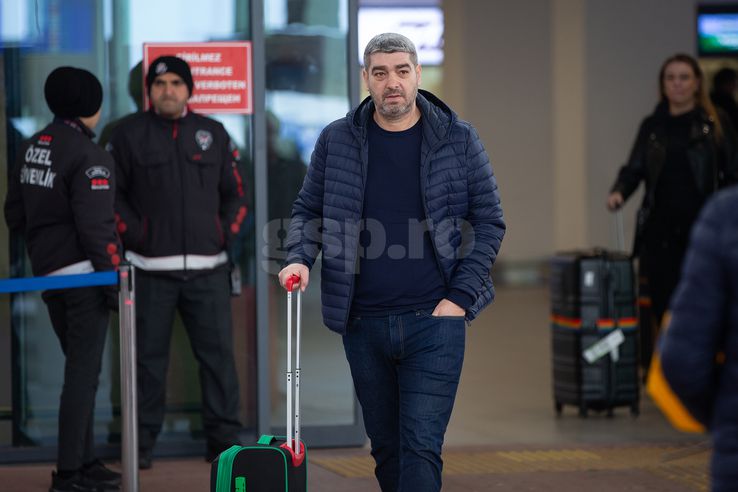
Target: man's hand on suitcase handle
[[297, 269]]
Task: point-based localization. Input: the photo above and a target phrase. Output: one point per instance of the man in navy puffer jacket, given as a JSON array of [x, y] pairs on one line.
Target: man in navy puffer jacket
[[401, 199], [705, 322]]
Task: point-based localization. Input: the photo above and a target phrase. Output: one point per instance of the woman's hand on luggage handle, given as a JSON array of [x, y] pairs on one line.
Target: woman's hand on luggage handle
[[448, 308], [295, 269], [615, 201]]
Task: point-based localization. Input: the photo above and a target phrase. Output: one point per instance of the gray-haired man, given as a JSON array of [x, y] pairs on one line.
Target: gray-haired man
[[410, 225]]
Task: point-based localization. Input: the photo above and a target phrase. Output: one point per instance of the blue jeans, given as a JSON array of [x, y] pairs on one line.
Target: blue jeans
[[406, 370]]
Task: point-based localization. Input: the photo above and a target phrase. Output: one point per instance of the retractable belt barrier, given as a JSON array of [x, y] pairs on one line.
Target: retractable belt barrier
[[127, 325], [12, 285]]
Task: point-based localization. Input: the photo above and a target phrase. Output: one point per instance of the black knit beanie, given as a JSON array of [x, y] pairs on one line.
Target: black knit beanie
[[168, 63], [73, 92]]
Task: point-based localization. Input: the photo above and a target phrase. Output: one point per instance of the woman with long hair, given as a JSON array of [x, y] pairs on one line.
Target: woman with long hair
[[683, 153]]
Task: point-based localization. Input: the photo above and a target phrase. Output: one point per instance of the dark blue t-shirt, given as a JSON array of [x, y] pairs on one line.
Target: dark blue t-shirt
[[398, 270]]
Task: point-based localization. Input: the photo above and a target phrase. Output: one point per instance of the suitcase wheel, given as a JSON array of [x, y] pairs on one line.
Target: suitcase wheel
[[634, 410]]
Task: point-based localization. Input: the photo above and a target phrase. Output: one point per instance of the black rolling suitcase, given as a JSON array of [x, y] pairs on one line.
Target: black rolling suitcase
[[273, 464], [594, 331]]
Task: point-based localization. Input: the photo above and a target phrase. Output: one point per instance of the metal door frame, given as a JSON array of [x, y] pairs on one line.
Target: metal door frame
[[315, 435]]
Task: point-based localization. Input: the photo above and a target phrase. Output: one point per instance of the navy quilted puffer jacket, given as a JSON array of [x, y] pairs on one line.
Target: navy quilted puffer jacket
[[460, 194], [704, 322]]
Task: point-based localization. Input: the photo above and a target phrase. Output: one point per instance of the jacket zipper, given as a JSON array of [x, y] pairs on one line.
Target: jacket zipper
[[427, 219], [364, 165], [432, 240]]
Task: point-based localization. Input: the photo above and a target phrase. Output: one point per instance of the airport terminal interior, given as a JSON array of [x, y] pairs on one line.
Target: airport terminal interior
[[556, 92]]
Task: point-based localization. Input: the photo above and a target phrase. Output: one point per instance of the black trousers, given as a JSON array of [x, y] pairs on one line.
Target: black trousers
[[204, 303], [80, 319], [662, 260]]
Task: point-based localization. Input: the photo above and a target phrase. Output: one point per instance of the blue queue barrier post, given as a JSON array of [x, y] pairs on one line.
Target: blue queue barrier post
[[127, 330], [128, 398]]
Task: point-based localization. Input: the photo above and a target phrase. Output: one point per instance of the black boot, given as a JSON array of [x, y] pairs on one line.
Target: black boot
[[144, 459], [98, 472], [78, 483]]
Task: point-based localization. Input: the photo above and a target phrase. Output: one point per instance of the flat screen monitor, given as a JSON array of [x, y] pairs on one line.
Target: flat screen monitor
[[717, 30], [422, 24]]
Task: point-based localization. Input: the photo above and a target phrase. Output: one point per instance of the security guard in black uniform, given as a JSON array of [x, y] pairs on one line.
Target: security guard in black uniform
[[180, 201], [60, 198]]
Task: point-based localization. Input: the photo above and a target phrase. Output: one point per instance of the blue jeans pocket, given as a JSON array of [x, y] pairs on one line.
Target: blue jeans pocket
[[429, 315]]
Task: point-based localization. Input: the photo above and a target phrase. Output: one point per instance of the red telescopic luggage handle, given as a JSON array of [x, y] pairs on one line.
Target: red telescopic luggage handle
[[293, 440], [294, 279]]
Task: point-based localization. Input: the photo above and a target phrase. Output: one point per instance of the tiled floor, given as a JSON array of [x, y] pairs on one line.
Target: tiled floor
[[504, 434]]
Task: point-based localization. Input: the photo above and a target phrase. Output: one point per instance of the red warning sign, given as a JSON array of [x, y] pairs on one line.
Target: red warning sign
[[221, 72]]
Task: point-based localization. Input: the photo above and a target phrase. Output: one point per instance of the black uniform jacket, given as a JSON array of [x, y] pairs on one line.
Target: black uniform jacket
[[179, 189], [60, 197]]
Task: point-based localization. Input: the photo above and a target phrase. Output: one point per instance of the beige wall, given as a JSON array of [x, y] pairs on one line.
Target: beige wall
[[497, 75], [568, 119], [557, 89]]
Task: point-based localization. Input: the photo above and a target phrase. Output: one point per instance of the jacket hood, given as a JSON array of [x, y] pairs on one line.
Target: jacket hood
[[437, 117]]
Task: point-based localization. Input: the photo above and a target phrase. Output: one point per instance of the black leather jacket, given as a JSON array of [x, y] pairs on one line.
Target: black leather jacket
[[713, 163]]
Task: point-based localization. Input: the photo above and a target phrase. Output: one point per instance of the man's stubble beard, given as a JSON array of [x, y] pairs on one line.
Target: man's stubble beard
[[394, 111], [166, 103]]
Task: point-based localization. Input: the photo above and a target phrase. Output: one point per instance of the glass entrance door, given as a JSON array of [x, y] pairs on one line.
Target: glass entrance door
[[106, 38], [306, 45], [305, 86]]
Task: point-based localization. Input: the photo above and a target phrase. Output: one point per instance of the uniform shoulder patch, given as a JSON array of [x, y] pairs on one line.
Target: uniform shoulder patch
[[99, 177]]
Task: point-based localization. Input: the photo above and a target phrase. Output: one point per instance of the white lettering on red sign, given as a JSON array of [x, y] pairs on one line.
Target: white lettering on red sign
[[212, 71], [196, 57], [220, 84], [215, 98]]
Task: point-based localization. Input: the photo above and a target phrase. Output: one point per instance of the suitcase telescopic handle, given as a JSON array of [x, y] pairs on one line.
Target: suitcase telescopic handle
[[293, 413], [619, 233], [292, 281]]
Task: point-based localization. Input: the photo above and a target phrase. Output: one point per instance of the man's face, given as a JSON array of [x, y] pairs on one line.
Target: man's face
[[169, 95], [393, 83]]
